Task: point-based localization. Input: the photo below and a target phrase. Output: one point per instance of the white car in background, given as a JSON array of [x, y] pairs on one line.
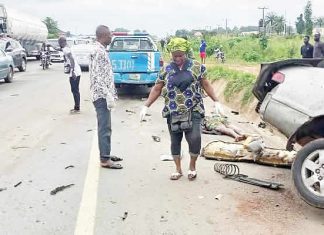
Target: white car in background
[[82, 53], [56, 55]]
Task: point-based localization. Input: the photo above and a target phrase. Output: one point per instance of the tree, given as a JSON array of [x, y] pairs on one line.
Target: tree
[[308, 18], [275, 22], [279, 24], [300, 24], [220, 30], [138, 31], [68, 34], [182, 32], [52, 27], [236, 31], [249, 28], [289, 30], [319, 21], [121, 30], [270, 20]]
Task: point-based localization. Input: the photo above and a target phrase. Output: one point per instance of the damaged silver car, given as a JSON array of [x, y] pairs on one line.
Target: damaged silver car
[[291, 98]]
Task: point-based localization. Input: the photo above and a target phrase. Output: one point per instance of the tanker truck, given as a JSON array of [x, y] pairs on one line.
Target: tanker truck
[[28, 30]]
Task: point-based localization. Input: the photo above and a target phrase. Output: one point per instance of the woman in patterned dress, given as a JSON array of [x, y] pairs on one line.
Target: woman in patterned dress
[[181, 85]]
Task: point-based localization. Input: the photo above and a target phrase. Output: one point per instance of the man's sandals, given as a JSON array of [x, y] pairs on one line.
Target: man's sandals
[[110, 163], [115, 158]]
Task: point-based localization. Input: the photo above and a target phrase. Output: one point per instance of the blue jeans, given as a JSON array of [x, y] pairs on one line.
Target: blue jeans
[[75, 91], [193, 137], [104, 128]]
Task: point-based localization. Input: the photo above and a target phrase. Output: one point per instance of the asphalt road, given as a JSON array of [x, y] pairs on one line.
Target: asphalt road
[[43, 147]]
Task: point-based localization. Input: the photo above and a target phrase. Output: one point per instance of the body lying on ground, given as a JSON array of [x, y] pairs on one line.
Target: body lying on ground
[[219, 125]]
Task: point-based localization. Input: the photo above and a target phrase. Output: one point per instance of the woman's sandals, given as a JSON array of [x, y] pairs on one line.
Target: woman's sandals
[[192, 175], [175, 176]]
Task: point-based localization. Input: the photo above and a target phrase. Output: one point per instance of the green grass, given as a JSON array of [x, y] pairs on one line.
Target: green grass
[[237, 82], [248, 48]]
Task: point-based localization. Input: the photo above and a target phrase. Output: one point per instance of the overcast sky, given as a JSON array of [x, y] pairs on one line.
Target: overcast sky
[[159, 17]]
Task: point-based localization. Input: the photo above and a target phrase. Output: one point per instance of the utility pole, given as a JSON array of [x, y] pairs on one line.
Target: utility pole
[[226, 26], [285, 26], [263, 24], [226, 23]]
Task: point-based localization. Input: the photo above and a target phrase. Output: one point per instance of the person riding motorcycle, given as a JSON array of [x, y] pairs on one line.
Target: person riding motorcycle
[[45, 51]]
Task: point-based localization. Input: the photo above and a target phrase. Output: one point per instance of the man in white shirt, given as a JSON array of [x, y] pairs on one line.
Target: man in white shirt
[[71, 67], [103, 94]]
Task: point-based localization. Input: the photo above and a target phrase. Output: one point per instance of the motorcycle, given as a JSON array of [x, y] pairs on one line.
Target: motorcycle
[[219, 55], [45, 59]]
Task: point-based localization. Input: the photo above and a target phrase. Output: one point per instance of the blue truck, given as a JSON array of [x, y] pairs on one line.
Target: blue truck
[[135, 60]]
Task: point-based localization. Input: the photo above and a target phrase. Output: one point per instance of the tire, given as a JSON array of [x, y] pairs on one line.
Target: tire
[[23, 66], [308, 173], [9, 77]]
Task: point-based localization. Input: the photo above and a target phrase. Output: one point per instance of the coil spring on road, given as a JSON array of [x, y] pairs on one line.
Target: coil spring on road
[[227, 169]]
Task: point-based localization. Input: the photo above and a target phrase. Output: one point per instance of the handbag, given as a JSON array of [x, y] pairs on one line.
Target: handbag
[[181, 122]]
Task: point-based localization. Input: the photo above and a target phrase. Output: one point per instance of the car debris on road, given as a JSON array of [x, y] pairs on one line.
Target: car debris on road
[[60, 188], [16, 185], [232, 171], [156, 138]]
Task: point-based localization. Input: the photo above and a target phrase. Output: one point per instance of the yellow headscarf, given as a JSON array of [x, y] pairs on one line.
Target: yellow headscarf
[[178, 44]]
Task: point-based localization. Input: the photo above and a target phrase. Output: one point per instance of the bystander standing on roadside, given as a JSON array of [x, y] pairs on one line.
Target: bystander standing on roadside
[[307, 49], [318, 46], [162, 42], [72, 68], [202, 51], [104, 95]]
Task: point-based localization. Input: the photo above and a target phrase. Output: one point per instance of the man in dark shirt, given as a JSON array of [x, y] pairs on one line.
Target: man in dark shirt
[[162, 42], [307, 49], [318, 46]]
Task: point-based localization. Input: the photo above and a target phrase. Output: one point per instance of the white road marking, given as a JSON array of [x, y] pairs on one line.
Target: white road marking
[[87, 212]]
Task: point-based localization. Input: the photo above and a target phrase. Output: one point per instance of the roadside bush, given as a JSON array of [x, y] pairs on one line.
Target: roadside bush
[[251, 56], [263, 41], [233, 42]]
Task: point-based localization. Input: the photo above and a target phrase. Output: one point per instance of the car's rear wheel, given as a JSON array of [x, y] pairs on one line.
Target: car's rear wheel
[[308, 173], [9, 77], [22, 67]]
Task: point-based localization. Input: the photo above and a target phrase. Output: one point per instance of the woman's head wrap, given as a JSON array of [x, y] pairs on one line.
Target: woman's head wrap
[[178, 44]]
